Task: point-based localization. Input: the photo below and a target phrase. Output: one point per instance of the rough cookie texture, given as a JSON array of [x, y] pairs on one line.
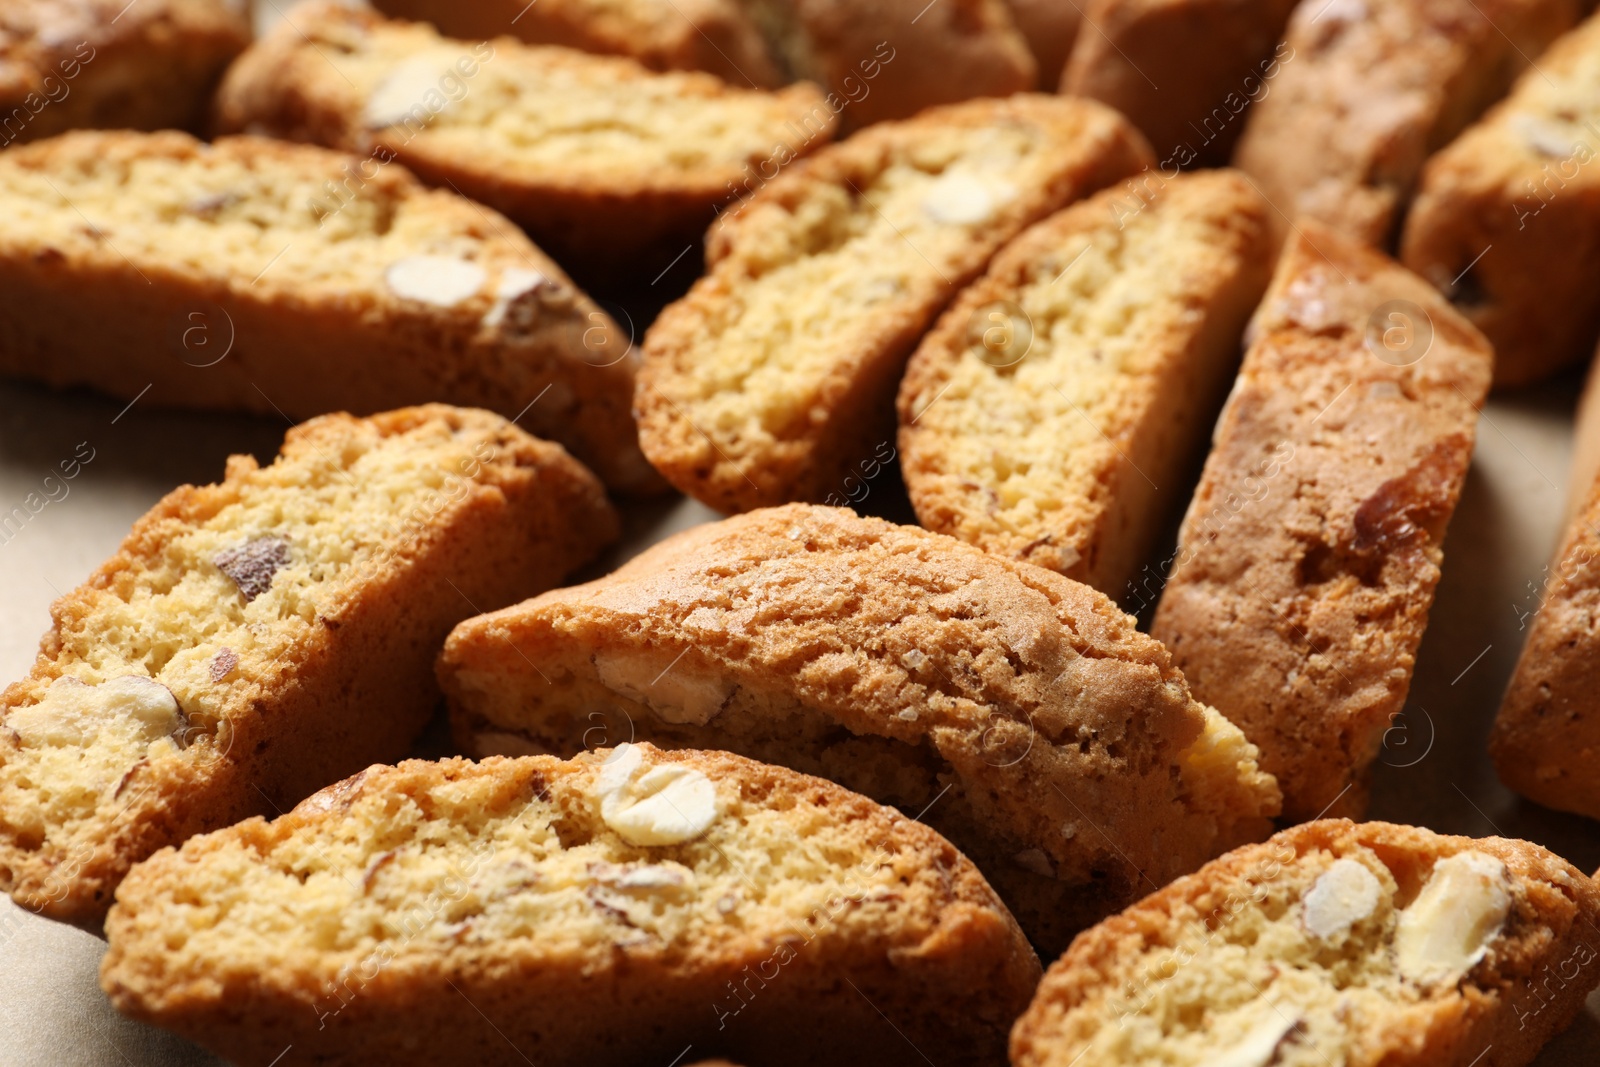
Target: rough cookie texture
[[260, 276], [1546, 739], [715, 36], [180, 689], [70, 64], [609, 166], [387, 917], [1334, 943], [1372, 89], [1060, 402], [1308, 559], [776, 374], [1183, 71], [1018, 712], [1507, 219]]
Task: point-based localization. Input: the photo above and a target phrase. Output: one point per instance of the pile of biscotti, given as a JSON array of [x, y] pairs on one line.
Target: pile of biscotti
[[802, 786]]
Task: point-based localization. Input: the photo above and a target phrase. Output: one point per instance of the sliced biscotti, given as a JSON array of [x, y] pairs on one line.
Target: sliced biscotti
[[1331, 943], [1546, 738], [261, 276], [1183, 71], [715, 36], [1367, 91], [776, 374], [1507, 219], [610, 910], [1018, 712], [69, 64], [1307, 562], [1060, 401], [253, 641], [610, 166]]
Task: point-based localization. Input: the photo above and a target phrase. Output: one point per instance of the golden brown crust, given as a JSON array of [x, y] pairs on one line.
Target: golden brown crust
[[1507, 219], [72, 64], [910, 944], [282, 693], [775, 376], [1308, 559], [1546, 738], [1377, 88], [1528, 987], [1183, 71], [610, 166], [1019, 710], [256, 275], [710, 35], [1050, 443]]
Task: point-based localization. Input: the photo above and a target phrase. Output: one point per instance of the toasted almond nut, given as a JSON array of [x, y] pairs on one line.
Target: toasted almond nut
[[443, 281], [1259, 1044], [404, 94], [961, 199], [72, 713], [669, 689], [1543, 136], [1342, 896], [665, 805], [1458, 914]]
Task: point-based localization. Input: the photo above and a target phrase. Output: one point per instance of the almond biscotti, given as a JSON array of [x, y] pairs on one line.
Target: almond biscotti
[[611, 167], [1019, 713], [1507, 219], [1331, 943], [260, 276], [69, 64], [1308, 560], [618, 909], [253, 641], [1546, 738], [1060, 401], [1370, 90], [776, 374], [1183, 71], [715, 36]]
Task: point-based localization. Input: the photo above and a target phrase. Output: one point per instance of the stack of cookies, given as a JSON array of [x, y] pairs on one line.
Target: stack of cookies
[[801, 785]]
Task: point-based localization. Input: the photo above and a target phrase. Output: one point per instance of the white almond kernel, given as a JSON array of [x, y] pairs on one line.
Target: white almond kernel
[[442, 281], [1259, 1045], [72, 713], [1342, 896], [670, 690], [1543, 136], [960, 199], [515, 282], [1458, 914], [403, 94], [666, 805]]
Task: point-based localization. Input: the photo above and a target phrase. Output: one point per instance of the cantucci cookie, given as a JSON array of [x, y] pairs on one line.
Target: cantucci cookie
[[1183, 71], [776, 374], [1546, 738], [619, 909], [1332, 943], [255, 640], [1060, 401], [715, 36], [1307, 562], [290, 280], [1507, 220], [609, 166], [68, 64], [1368, 91], [1017, 712]]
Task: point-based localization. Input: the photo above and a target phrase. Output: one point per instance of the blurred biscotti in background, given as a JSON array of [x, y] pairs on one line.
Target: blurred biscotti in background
[[1507, 220], [1307, 563], [1019, 713], [1057, 409], [1183, 71], [612, 168], [1367, 91], [255, 640], [1050, 27], [77, 64], [775, 376], [1546, 739], [1332, 942], [257, 275]]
